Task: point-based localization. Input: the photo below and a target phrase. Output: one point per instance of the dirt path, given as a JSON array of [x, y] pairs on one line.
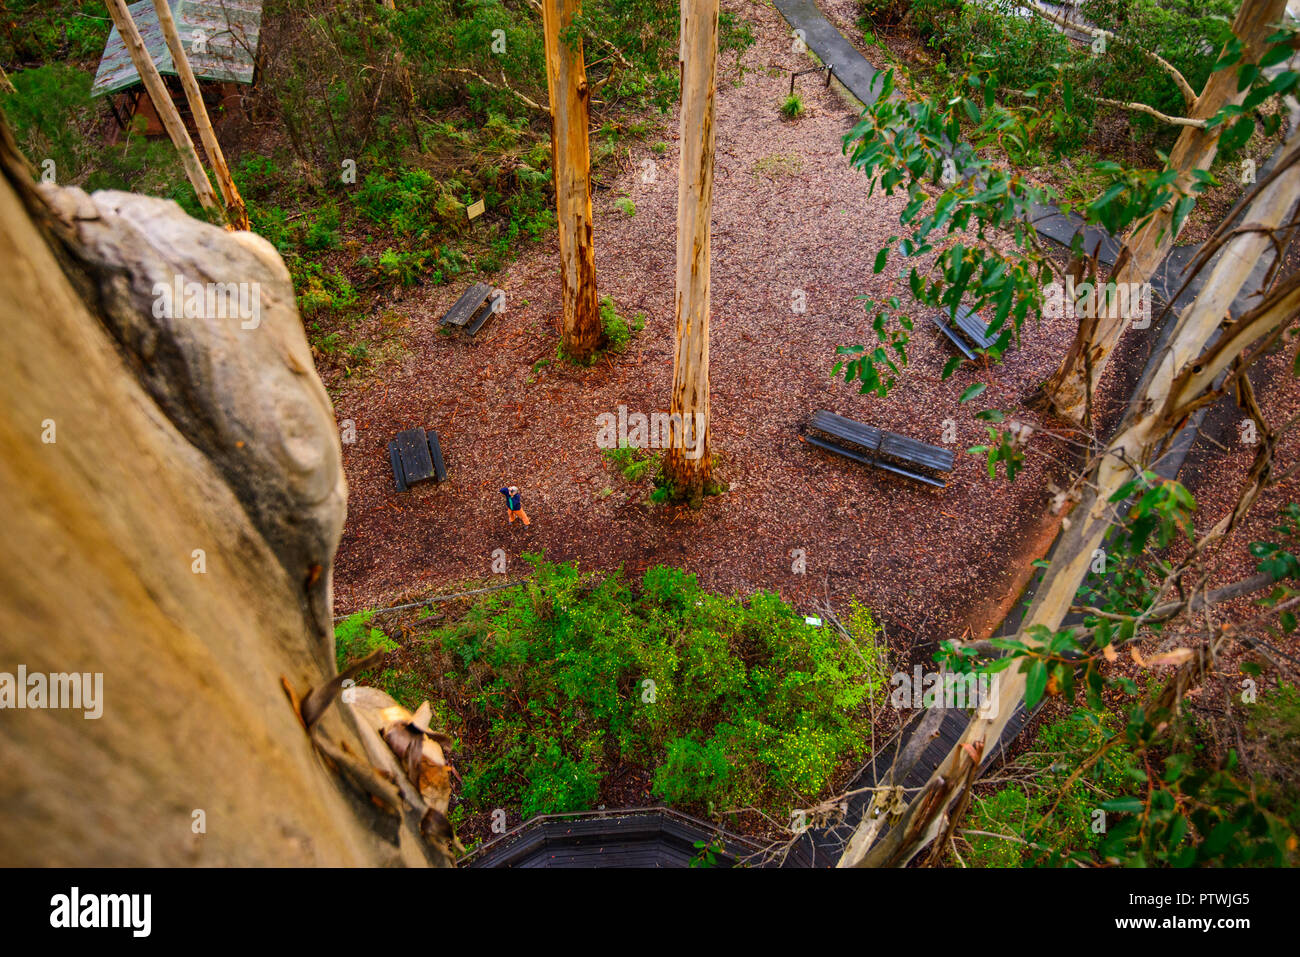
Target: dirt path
[[790, 214]]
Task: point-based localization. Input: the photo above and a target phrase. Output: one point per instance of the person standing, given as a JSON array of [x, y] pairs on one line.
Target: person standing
[[514, 505]]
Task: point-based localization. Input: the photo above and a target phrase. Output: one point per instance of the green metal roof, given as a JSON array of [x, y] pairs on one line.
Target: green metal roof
[[229, 28]]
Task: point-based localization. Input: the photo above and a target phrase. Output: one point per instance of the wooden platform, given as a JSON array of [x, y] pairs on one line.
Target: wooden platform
[[637, 837]]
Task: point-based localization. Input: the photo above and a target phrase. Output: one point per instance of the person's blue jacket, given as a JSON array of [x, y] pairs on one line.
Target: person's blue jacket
[[513, 502]]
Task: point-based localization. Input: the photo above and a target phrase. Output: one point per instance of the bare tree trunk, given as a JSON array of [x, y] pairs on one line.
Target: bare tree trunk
[[162, 102], [168, 540], [1070, 389], [566, 80], [688, 462], [235, 211], [1183, 376]]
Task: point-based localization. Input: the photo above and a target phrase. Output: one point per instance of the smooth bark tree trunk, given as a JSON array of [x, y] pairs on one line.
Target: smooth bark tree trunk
[[1182, 377], [162, 101], [174, 497], [236, 214], [1071, 387], [688, 463], [566, 81]]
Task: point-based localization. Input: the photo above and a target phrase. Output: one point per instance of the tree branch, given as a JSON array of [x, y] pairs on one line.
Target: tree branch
[[1149, 111], [1180, 81], [504, 85]]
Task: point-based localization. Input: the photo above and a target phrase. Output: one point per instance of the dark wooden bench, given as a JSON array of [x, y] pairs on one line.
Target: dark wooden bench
[[472, 310], [415, 455], [877, 448], [970, 332]]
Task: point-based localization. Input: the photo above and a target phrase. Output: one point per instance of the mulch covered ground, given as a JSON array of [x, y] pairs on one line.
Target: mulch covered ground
[[789, 214]]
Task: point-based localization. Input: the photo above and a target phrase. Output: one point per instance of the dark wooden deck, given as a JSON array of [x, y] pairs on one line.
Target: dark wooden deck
[[637, 837]]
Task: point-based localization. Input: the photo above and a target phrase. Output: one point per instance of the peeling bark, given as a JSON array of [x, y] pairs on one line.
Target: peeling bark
[[688, 463], [1071, 388], [570, 97], [1184, 373]]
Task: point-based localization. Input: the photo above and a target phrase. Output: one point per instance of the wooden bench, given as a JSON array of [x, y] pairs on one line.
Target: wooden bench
[[876, 447], [415, 456], [970, 333], [472, 310]]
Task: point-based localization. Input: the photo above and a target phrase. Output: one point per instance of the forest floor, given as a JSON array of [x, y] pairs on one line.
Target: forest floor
[[790, 215]]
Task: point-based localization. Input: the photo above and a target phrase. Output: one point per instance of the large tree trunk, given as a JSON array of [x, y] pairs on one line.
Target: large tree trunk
[[566, 80], [174, 495], [236, 214], [688, 464], [1070, 389], [1182, 376], [162, 101]]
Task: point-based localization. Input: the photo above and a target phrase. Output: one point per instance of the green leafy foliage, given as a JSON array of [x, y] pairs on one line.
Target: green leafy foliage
[[955, 156], [356, 638], [1279, 560], [632, 463], [1095, 795], [731, 702], [618, 331], [1147, 793], [69, 30]]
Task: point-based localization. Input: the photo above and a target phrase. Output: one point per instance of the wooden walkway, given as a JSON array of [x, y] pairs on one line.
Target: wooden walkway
[[636, 837]]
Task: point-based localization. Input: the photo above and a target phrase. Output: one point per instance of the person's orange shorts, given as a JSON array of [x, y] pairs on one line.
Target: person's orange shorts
[[523, 516]]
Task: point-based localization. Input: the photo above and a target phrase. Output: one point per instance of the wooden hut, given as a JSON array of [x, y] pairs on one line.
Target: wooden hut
[[220, 38]]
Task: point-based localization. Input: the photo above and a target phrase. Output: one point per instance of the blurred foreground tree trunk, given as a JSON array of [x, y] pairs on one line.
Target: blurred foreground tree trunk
[[174, 496]]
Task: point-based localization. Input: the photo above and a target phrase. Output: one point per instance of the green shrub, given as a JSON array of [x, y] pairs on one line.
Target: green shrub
[[617, 331], [322, 231], [70, 30], [633, 464], [726, 701], [557, 784], [355, 638], [691, 772], [792, 107]]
